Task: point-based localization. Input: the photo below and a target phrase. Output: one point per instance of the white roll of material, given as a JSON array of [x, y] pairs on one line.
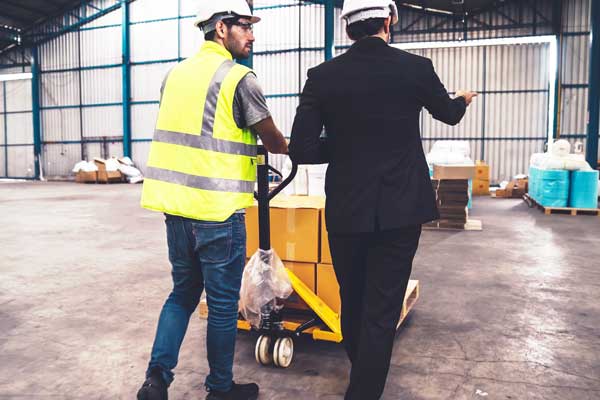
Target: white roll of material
[[561, 148]]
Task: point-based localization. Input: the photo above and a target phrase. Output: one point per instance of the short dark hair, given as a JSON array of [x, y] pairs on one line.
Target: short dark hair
[[227, 21], [368, 27], [210, 35]]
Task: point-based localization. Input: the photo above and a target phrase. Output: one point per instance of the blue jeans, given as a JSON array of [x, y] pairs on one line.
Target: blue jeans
[[204, 256]]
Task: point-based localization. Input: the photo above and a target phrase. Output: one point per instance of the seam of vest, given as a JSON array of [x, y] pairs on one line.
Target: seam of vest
[[205, 143], [200, 182], [212, 97]]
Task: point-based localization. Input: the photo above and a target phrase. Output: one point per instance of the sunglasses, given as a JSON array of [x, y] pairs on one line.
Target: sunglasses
[[246, 26]]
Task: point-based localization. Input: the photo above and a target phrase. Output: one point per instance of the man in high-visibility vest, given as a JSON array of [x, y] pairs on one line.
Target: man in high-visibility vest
[[201, 173]]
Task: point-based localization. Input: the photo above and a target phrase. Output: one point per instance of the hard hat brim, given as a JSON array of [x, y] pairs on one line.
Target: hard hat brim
[[253, 19]]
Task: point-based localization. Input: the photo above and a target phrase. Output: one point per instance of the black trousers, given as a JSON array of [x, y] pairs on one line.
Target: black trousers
[[373, 270]]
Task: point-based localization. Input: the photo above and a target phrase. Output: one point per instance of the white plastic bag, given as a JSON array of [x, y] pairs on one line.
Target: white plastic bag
[[264, 281]]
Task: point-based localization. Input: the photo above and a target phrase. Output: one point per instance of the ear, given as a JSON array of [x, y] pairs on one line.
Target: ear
[[387, 24], [221, 29]]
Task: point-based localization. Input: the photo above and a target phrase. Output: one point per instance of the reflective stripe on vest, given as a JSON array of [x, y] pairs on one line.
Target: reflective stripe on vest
[[205, 142], [200, 182]]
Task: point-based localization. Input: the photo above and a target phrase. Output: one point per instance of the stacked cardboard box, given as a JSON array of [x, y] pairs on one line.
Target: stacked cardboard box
[[481, 182], [297, 235], [452, 200], [451, 185]]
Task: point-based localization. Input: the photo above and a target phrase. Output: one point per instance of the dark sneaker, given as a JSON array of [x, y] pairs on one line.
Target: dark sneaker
[[248, 391], [155, 388]]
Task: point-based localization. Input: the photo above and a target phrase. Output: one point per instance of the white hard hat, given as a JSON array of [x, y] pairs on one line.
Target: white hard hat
[[360, 10], [209, 8]]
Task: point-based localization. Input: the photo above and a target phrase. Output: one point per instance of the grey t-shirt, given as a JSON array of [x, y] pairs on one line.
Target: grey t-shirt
[[249, 103]]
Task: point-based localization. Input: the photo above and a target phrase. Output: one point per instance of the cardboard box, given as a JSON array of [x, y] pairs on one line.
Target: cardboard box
[[328, 288], [453, 172], [481, 187], [86, 177], [325, 250], [105, 176], [295, 228], [482, 171], [307, 273]]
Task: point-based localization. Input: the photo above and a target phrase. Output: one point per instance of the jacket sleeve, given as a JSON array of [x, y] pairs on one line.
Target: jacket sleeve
[[437, 101], [306, 145]]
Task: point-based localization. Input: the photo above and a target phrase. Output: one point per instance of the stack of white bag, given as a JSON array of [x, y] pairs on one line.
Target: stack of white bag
[[309, 180], [85, 166], [560, 158], [450, 152], [127, 168]]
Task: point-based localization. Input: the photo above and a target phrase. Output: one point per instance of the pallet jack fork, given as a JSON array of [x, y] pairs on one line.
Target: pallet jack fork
[[275, 344]]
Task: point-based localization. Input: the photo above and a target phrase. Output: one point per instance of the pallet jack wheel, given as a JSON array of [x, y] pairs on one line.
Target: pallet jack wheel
[[283, 352], [262, 351]]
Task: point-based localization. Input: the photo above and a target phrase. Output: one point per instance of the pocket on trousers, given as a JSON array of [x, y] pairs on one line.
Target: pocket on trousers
[[213, 241]]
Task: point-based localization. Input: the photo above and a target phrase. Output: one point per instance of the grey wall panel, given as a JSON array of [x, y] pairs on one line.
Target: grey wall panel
[[59, 89], [145, 10], [517, 67], [18, 95], [576, 61], [19, 128], [143, 120], [140, 152], [20, 161], [101, 86], [576, 15], [59, 159], [155, 41], [284, 21], [516, 115], [101, 46], [61, 125], [574, 111], [146, 81], [191, 38], [113, 18], [278, 73], [2, 131], [2, 90], [3, 152], [283, 111], [61, 52], [102, 121], [510, 157]]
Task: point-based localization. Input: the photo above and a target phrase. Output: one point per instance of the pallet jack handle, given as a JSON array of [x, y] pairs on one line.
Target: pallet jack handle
[[264, 196]]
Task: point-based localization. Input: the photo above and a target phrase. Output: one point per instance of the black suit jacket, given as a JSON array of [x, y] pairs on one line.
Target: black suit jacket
[[369, 100]]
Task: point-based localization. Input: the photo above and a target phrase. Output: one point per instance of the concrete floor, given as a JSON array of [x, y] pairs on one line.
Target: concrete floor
[[512, 312]]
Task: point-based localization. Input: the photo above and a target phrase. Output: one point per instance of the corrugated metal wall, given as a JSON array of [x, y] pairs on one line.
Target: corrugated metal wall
[[16, 127], [82, 95]]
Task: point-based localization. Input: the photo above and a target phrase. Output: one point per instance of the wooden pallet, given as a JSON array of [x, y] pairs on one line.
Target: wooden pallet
[[561, 210], [471, 225], [413, 292]]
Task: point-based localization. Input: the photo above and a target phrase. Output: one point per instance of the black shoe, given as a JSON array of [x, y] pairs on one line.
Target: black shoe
[[154, 388], [248, 391]]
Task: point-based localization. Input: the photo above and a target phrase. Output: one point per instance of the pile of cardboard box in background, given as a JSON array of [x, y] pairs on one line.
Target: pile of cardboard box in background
[[107, 171], [515, 189], [451, 186], [299, 237], [481, 181]]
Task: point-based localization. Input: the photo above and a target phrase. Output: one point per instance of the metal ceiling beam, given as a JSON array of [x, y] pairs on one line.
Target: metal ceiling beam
[[70, 20]]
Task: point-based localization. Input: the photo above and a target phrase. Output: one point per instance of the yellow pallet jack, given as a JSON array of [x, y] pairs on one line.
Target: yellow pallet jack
[[275, 344]]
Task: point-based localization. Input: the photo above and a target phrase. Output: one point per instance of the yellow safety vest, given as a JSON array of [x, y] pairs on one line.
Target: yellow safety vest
[[201, 165]]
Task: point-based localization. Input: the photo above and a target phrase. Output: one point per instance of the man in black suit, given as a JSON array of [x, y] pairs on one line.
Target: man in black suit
[[378, 188]]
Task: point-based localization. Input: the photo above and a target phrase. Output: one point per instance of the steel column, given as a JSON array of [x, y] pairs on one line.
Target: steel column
[[594, 92], [35, 107], [126, 72], [329, 28]]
